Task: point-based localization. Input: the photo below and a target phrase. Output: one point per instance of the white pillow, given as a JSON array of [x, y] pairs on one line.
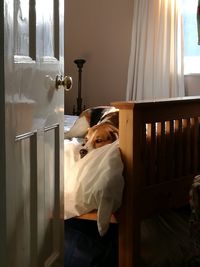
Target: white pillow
[[94, 182]]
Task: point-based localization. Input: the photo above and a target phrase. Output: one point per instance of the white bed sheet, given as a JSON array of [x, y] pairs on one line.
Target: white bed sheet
[[94, 182]]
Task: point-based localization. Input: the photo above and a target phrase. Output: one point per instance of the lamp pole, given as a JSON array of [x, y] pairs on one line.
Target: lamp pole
[[79, 63]]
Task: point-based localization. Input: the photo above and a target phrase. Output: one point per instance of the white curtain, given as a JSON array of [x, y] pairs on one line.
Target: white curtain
[[198, 21], [156, 57]]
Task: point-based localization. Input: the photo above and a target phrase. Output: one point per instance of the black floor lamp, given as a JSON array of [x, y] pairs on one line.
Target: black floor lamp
[[79, 63]]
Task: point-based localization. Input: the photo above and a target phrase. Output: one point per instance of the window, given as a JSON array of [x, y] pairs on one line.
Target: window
[[191, 47]]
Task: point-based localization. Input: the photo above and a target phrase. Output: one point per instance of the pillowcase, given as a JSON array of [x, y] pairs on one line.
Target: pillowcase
[[94, 182]]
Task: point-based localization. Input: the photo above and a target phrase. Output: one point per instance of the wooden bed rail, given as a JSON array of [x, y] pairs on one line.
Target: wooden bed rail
[[160, 147]]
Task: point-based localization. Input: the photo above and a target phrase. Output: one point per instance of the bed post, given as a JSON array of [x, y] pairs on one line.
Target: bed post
[[129, 229]]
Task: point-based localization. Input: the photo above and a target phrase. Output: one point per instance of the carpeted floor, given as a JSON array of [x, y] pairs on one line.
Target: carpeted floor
[[84, 247]]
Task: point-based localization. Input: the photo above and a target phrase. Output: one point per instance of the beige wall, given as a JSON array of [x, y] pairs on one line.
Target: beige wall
[[100, 32]]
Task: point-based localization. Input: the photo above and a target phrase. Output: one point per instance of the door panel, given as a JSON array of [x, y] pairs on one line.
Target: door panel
[[52, 193], [34, 109], [45, 28], [21, 28]]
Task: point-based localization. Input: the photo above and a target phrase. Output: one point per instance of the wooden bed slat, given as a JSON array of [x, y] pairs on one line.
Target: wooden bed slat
[[170, 166], [150, 149], [194, 140], [186, 146], [161, 146]]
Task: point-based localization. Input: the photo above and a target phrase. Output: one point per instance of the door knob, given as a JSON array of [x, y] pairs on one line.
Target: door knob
[[65, 82]]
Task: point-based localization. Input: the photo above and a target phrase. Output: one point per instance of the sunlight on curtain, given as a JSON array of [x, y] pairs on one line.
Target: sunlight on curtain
[[198, 21], [156, 56]]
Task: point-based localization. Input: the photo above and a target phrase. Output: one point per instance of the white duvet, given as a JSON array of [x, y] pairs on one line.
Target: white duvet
[[94, 182]]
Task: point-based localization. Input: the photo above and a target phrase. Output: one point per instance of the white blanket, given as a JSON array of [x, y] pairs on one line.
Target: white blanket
[[94, 182]]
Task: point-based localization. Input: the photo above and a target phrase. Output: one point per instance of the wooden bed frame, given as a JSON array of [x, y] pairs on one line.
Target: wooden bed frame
[[160, 147]]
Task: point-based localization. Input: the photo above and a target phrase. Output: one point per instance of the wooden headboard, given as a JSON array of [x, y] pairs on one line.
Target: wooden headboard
[[160, 146]]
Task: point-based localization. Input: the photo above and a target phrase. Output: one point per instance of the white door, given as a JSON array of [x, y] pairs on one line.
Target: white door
[[31, 181]]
